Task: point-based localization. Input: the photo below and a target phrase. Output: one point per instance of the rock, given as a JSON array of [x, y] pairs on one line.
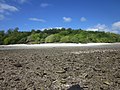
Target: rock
[[2, 78], [75, 87], [65, 68], [104, 87], [44, 73], [38, 68], [89, 76], [64, 76], [77, 68], [117, 75], [17, 79], [60, 71], [46, 56], [63, 81], [18, 65], [106, 83]]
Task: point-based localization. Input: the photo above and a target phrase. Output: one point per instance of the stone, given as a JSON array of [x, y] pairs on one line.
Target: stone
[[63, 81], [18, 65], [107, 83], [60, 71]]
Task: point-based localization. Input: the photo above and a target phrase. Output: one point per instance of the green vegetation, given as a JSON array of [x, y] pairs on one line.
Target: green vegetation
[[14, 36]]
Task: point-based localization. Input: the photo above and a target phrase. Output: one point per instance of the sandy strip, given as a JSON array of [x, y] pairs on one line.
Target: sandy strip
[[50, 45], [57, 44]]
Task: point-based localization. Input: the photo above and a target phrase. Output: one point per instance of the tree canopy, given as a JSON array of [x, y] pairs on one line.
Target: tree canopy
[[14, 36]]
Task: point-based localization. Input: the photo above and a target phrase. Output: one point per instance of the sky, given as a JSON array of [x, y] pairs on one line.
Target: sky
[[94, 15]]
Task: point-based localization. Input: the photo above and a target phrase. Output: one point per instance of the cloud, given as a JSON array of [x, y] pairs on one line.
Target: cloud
[[51, 28], [67, 19], [116, 27], [99, 27], [37, 19], [83, 19], [43, 5], [5, 7], [1, 17]]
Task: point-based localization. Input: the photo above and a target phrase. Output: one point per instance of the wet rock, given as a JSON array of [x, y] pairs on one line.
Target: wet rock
[[27, 67], [75, 87], [117, 75], [17, 79], [117, 81], [104, 87], [77, 68], [63, 81], [44, 73], [89, 76], [38, 68], [106, 83], [1, 78], [65, 68], [60, 71], [18, 65]]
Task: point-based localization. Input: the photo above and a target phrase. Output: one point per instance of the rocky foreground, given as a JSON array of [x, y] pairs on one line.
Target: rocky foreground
[[93, 68]]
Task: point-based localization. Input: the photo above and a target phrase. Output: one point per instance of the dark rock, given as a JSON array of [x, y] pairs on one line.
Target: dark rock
[[17, 79], [75, 87], [18, 65], [2, 78], [65, 68], [117, 75]]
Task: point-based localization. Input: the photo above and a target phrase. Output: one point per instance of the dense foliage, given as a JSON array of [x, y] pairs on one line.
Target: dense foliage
[[14, 36]]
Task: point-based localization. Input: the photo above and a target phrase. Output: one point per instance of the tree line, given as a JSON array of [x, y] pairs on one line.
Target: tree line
[[14, 36]]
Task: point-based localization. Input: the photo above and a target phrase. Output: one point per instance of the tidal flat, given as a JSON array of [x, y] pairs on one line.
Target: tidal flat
[[58, 68]]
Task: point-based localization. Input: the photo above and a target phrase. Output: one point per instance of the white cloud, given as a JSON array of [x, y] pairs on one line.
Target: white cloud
[[5, 7], [37, 19], [83, 19], [51, 28], [99, 27], [67, 19], [43, 5], [1, 17], [116, 27]]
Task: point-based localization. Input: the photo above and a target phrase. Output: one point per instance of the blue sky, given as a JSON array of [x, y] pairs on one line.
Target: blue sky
[[95, 15]]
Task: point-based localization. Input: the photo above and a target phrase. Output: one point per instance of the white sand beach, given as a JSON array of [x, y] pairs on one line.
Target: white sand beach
[[56, 44], [51, 45]]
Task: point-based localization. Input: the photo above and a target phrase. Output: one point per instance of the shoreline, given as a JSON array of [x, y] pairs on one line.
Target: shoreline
[[61, 44], [56, 45]]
